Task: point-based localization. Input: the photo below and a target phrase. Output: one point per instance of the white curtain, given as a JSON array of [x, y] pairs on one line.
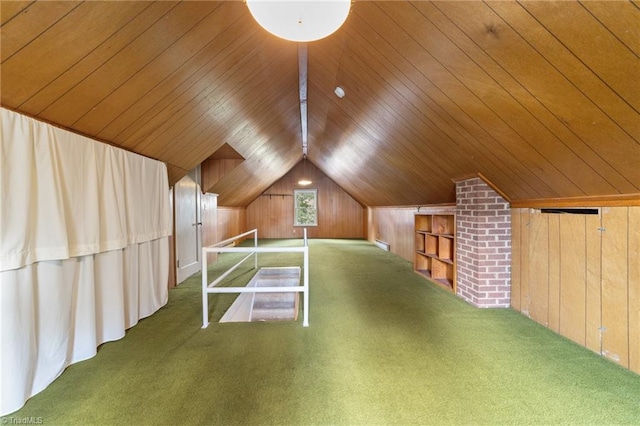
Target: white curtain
[[64, 195], [84, 250]]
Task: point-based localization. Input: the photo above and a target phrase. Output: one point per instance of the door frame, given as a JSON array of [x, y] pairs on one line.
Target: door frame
[[198, 224]]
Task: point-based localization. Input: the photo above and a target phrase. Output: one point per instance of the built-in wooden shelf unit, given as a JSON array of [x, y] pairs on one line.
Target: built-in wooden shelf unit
[[435, 244]]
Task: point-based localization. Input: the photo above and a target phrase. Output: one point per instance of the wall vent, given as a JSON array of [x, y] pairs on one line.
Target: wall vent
[[382, 245], [570, 211]]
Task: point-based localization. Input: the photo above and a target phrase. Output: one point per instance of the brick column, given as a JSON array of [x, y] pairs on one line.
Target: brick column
[[483, 228]]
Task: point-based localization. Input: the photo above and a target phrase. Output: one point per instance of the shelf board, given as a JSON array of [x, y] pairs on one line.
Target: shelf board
[[435, 239], [444, 282], [435, 256], [436, 234], [441, 282], [424, 272]]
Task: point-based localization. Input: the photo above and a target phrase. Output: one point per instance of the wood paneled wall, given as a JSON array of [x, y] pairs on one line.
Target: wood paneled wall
[[209, 223], [339, 215], [220, 223], [394, 226], [231, 221], [213, 169], [579, 275]]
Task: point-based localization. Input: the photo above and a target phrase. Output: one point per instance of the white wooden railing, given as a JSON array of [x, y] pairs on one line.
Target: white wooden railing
[[208, 288]]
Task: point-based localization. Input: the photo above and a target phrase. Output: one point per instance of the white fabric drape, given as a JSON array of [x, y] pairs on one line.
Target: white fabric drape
[[65, 195], [57, 312], [84, 250]]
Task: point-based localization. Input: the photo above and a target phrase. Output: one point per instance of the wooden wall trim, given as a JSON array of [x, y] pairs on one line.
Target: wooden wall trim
[[422, 207], [486, 180], [495, 187], [619, 200], [622, 200]]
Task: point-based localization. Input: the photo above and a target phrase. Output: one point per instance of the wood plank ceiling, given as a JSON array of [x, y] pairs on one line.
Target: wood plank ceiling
[[540, 97]]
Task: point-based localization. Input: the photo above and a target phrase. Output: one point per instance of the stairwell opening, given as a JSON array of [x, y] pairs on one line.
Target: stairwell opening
[[280, 306]]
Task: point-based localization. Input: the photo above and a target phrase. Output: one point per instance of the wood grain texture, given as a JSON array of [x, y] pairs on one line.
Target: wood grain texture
[[517, 251], [593, 268], [554, 272], [539, 269], [525, 265], [72, 78], [394, 226], [615, 285], [593, 295], [10, 9], [339, 215], [634, 288], [541, 98], [214, 169], [573, 278], [13, 39], [231, 221]]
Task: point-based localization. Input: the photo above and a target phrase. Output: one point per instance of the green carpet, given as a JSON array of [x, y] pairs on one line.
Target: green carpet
[[384, 346]]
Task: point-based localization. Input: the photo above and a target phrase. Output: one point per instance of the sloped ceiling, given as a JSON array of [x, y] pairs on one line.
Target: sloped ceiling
[[540, 97]]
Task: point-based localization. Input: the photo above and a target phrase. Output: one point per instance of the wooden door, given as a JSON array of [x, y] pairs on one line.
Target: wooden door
[[188, 226]]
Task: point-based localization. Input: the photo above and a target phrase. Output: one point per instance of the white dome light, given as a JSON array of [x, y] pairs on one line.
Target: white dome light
[[300, 20]]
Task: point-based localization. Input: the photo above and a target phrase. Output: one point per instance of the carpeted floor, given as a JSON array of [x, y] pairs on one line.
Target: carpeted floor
[[384, 346]]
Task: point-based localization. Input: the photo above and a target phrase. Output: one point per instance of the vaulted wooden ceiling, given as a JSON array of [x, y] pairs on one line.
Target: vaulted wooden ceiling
[[540, 97]]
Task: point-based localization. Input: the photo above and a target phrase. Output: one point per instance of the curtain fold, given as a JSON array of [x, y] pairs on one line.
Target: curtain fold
[[56, 313], [65, 195], [84, 250]]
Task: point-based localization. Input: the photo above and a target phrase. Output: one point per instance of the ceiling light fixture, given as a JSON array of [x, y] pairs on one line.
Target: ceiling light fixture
[[300, 20], [304, 180]]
